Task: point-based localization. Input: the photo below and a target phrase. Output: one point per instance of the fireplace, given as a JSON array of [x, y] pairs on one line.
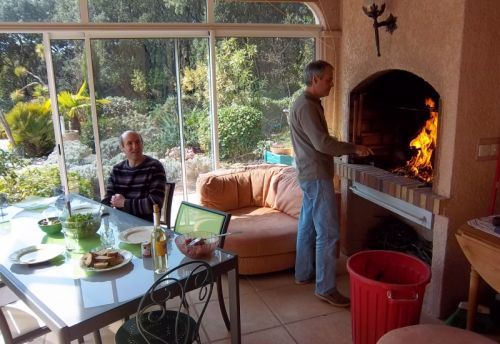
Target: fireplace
[[395, 113], [387, 112], [461, 66]]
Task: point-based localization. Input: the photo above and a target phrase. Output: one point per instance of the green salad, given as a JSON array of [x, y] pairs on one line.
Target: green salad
[[82, 223]]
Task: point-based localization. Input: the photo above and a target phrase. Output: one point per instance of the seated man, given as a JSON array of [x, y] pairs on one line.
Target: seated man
[[138, 182]]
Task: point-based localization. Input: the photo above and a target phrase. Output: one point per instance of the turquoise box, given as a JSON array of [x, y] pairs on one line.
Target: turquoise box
[[272, 158]]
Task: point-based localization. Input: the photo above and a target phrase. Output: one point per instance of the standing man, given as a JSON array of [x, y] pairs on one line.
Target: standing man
[[318, 227], [138, 182]]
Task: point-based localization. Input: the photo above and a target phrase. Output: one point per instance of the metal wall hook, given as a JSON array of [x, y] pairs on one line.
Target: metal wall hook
[[374, 11]]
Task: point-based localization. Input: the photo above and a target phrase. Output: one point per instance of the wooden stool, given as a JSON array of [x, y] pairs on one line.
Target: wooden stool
[[432, 334]]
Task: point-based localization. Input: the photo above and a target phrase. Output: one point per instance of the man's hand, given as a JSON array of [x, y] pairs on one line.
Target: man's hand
[[363, 151], [117, 201]]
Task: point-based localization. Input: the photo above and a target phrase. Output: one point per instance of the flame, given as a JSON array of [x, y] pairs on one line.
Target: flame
[[424, 143]]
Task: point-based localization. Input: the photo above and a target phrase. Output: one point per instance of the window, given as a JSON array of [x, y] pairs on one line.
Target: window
[[227, 11], [39, 11], [147, 11], [154, 79]]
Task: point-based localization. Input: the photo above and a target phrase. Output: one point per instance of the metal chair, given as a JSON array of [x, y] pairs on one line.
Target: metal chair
[[192, 217], [15, 314], [167, 203], [163, 315]]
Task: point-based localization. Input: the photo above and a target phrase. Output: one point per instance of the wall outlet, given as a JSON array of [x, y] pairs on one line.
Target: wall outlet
[[484, 151], [488, 148], [495, 148]]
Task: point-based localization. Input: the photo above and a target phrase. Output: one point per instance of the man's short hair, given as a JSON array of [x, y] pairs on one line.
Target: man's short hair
[[129, 132], [315, 68]]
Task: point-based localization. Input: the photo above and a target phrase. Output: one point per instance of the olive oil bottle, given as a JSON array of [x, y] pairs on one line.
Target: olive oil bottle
[[158, 243]]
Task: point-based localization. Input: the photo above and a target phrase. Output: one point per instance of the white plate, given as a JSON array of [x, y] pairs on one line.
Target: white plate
[[36, 254], [127, 257], [136, 235]]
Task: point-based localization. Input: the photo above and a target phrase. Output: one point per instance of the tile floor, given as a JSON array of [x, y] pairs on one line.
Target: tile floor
[[274, 310]]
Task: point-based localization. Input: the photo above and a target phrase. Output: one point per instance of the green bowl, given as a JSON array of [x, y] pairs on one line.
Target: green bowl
[[52, 226]]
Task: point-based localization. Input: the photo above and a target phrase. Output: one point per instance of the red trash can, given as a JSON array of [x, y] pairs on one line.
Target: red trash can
[[387, 290]]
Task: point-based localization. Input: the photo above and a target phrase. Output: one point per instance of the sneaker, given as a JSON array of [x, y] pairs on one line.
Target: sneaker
[[335, 298], [306, 281]]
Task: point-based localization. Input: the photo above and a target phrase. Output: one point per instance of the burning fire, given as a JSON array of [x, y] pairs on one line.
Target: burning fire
[[424, 143]]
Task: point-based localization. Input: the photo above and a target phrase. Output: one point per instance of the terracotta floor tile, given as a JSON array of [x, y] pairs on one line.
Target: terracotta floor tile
[[245, 286], [271, 280], [331, 328], [277, 335], [296, 302], [255, 316]]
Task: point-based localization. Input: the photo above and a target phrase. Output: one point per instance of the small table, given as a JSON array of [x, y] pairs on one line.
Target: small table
[[483, 253], [73, 302]]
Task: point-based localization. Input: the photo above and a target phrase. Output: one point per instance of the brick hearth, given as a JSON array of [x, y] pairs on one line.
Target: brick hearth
[[403, 188]]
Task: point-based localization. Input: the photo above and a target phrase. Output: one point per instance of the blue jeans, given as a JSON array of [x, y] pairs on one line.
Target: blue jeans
[[318, 232]]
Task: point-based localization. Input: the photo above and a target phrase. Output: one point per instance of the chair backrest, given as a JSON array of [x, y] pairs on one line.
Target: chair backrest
[[162, 317], [18, 324], [192, 217], [167, 203]]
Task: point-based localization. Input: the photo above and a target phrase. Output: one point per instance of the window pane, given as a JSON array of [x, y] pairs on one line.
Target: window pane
[[39, 11], [147, 11], [138, 79], [227, 11], [75, 118], [257, 80], [27, 133]]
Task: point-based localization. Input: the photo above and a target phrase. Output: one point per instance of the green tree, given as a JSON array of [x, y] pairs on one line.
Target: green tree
[[236, 80]]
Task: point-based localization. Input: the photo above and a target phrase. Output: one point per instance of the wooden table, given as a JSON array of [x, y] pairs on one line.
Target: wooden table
[[73, 302], [483, 252]]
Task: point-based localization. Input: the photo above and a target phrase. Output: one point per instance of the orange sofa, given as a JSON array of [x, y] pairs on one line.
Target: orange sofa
[[265, 202]]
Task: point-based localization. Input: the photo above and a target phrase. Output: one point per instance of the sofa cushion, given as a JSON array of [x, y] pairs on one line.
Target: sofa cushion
[[265, 231], [238, 188], [288, 197]]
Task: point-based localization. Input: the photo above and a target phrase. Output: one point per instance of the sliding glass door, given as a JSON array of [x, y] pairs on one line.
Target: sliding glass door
[[157, 87]]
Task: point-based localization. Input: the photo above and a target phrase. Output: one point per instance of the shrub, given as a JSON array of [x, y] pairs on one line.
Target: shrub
[[239, 131], [31, 127], [118, 115], [41, 181], [275, 120], [110, 148], [173, 169], [75, 153]]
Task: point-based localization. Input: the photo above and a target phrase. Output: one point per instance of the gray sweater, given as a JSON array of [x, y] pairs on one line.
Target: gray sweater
[[313, 146]]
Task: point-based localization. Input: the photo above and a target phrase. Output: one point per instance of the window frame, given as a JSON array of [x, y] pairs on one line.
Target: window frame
[[87, 31]]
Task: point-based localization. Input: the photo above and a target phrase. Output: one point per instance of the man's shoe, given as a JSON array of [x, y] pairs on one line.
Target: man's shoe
[[335, 298], [307, 281]]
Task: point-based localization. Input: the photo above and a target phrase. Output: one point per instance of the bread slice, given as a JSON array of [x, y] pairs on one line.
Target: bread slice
[[101, 265], [88, 259]]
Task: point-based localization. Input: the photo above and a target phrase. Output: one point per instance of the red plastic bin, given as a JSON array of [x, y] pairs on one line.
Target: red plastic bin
[[387, 290]]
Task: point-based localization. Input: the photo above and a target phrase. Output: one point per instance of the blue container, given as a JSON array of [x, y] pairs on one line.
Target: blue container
[[272, 158]]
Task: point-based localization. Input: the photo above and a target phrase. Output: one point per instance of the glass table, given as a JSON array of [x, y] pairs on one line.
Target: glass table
[[72, 301]]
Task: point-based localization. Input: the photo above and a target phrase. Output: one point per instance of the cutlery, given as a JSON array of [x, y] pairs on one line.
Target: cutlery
[[196, 240]]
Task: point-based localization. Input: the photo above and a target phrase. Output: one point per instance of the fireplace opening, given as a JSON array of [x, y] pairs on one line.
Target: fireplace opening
[[396, 113]]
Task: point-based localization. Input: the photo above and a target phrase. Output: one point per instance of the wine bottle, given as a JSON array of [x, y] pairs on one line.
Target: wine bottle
[[158, 243]]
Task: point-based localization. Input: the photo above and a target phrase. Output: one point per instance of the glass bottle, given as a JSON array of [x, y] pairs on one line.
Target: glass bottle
[[158, 243]]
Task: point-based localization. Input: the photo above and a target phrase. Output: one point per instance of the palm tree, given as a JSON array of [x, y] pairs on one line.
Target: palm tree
[[75, 107]]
